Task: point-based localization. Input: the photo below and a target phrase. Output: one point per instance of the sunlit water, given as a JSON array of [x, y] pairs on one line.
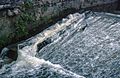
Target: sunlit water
[[83, 45]]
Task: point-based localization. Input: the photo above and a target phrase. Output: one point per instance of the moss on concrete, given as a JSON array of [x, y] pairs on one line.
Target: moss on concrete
[[24, 20]]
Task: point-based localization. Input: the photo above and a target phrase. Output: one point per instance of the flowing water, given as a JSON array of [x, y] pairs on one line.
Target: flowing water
[[83, 45]]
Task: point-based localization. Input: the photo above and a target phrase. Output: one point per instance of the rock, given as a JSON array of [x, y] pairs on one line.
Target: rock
[[9, 53], [16, 11], [4, 6], [10, 13], [1, 62]]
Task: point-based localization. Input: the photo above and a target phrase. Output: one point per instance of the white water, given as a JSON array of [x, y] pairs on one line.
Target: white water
[[26, 55], [80, 46]]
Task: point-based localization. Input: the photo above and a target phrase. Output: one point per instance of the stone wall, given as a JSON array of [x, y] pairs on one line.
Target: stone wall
[[21, 18]]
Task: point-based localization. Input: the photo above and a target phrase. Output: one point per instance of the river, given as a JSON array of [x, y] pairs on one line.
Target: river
[[85, 45]]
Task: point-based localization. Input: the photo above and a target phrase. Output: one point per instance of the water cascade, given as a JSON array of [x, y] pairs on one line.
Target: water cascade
[[83, 45]]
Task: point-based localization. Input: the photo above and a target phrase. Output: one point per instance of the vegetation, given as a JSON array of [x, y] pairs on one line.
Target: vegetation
[[24, 20], [44, 8], [27, 5], [3, 40]]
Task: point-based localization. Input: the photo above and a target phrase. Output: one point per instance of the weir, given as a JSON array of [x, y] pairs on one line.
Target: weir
[[79, 46]]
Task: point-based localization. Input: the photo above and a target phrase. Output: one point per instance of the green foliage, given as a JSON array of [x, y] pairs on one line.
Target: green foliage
[[27, 5], [44, 8], [46, 19], [21, 27], [25, 19], [3, 40], [22, 23]]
